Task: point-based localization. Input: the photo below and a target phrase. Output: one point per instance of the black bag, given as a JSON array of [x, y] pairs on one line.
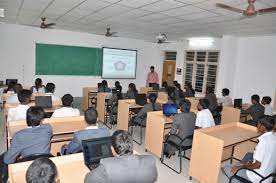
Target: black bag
[[3, 170]]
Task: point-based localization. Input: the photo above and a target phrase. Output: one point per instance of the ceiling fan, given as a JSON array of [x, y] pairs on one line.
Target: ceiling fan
[[43, 25], [110, 34], [161, 38], [250, 11]]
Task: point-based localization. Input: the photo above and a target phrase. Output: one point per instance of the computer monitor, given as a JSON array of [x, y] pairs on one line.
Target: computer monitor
[[238, 103], [141, 99], [96, 149], [8, 81], [169, 109], [43, 101], [155, 87]]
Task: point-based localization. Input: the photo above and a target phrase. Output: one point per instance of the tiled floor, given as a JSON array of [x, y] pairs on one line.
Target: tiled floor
[[165, 175]]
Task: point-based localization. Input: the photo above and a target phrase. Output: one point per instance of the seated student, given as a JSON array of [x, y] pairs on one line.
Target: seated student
[[189, 91], [141, 117], [42, 170], [212, 98], [91, 131], [113, 103], [164, 86], [182, 126], [10, 88], [50, 89], [124, 167], [38, 88], [35, 139], [178, 92], [256, 110], [263, 160], [268, 108], [67, 110], [226, 100], [204, 117], [118, 86], [19, 112], [104, 87], [175, 83], [131, 92], [13, 99]]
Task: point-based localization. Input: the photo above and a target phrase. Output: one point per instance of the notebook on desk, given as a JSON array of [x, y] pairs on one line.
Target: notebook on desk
[[43, 101], [96, 149], [141, 99]]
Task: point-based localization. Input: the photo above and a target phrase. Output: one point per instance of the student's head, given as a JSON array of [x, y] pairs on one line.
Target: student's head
[[175, 82], [266, 124], [165, 84], [202, 104], [67, 100], [42, 170], [152, 97], [185, 106], [255, 99], [24, 96], [34, 116], [225, 92], [209, 89], [178, 86], [122, 142], [117, 84], [90, 116], [266, 100], [50, 87], [104, 83], [151, 68], [188, 85], [132, 87], [38, 82], [17, 87]]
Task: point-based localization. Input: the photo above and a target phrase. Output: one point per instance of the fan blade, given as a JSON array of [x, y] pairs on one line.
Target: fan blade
[[267, 10], [224, 6], [50, 24], [31, 25]]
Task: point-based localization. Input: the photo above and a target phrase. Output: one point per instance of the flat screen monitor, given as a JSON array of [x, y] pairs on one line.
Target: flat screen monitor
[[8, 81], [141, 99], [43, 101], [119, 63], [169, 109], [238, 103]]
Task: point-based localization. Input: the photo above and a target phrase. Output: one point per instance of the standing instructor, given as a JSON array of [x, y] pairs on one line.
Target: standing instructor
[[152, 77]]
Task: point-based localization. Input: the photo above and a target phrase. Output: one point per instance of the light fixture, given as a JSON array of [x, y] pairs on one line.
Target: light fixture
[[2, 13], [201, 42]]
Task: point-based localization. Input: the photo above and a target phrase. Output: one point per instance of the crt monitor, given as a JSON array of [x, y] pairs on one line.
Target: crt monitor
[[141, 99], [169, 109], [8, 81]]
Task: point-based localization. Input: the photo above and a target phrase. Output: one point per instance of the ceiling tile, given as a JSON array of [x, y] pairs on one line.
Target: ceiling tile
[[182, 11], [92, 5], [162, 5], [136, 3], [152, 17]]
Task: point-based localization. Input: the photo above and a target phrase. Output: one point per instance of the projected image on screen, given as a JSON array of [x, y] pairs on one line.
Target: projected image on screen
[[119, 63]]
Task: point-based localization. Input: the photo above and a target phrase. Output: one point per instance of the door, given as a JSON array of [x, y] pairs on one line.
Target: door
[[168, 71]]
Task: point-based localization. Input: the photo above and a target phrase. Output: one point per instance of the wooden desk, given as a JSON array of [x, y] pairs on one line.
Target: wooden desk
[[63, 130], [123, 113], [145, 89], [71, 168], [210, 143], [87, 93], [101, 108]]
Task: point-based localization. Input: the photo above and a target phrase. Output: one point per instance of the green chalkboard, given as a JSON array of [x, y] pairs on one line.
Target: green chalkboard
[[67, 60]]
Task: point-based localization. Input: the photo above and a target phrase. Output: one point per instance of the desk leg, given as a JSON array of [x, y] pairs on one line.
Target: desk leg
[[232, 154]]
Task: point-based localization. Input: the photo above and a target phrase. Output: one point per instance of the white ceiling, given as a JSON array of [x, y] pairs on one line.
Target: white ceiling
[[143, 19]]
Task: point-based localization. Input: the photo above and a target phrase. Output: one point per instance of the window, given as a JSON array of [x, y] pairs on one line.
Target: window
[[170, 55], [201, 69]]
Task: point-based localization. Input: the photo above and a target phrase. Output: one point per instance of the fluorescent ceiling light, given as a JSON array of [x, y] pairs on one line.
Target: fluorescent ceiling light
[[2, 13], [201, 42]]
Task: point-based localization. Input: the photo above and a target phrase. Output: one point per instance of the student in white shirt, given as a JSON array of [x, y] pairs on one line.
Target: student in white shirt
[[268, 108], [263, 160], [204, 117], [13, 99], [50, 89], [67, 110], [38, 88], [226, 100], [19, 112]]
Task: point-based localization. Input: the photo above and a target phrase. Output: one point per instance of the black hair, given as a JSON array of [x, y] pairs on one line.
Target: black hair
[[165, 84], [186, 105], [178, 86], [256, 98], [204, 103], [50, 88], [225, 91], [38, 82], [152, 67], [104, 83], [175, 82], [42, 170], [122, 142], [268, 122], [117, 84], [90, 116], [267, 99], [34, 116], [209, 89], [152, 97], [133, 87], [17, 88], [67, 100], [23, 95]]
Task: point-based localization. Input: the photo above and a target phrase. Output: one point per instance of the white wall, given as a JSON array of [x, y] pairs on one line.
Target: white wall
[[17, 51]]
